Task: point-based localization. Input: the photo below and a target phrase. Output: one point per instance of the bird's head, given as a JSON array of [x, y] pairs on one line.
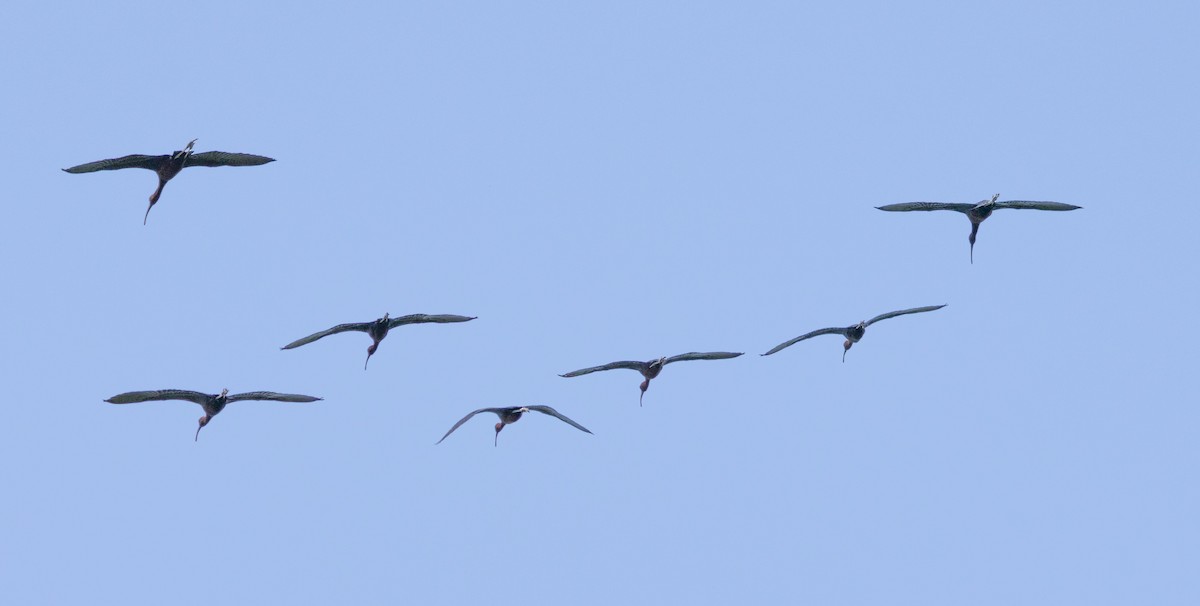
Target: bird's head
[[499, 426], [203, 422], [845, 348]]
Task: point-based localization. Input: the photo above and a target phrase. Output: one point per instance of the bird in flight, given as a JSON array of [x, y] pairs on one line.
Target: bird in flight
[[977, 213], [167, 166], [512, 414], [652, 368], [854, 333], [212, 404], [378, 329]]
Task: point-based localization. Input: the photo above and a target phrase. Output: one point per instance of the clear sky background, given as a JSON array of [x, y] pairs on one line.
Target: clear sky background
[[617, 180]]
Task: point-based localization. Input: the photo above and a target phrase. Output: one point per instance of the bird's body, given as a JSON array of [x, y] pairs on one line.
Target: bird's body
[[212, 404], [854, 333], [979, 212], [652, 368], [378, 329], [512, 414], [167, 166]]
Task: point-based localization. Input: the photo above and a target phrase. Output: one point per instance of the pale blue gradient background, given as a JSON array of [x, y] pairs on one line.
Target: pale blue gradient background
[[613, 181]]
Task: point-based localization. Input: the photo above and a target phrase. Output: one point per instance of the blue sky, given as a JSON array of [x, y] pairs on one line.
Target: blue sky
[[622, 180]]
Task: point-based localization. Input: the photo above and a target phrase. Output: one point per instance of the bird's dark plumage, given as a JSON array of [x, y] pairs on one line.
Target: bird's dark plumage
[[512, 414]]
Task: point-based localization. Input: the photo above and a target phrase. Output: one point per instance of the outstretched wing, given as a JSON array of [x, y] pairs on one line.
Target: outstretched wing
[[815, 333], [359, 326], [132, 397], [712, 355], [270, 395], [498, 411], [631, 365], [219, 158], [892, 314], [1034, 205], [907, 206], [425, 318], [130, 161], [554, 413]]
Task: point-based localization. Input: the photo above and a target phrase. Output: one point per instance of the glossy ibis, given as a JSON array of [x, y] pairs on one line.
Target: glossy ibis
[[854, 333], [378, 329], [652, 368], [977, 213], [512, 414], [212, 404], [168, 166]]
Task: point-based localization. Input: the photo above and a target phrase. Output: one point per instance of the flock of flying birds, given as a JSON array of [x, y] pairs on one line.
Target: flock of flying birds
[[168, 166]]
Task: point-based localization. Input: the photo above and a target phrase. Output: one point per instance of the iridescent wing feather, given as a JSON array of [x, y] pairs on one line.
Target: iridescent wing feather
[[498, 411], [133, 397], [907, 206], [554, 413], [631, 365], [426, 318], [892, 314], [130, 161], [219, 158], [359, 326], [712, 355], [1034, 205], [815, 333], [272, 396]]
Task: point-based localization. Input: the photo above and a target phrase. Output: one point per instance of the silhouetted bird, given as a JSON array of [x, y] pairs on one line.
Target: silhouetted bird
[[512, 414], [852, 333], [378, 329], [652, 368], [169, 166], [976, 213], [212, 404]]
